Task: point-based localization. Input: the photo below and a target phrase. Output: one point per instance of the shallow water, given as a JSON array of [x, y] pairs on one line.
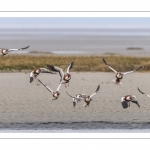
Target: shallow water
[[78, 41]]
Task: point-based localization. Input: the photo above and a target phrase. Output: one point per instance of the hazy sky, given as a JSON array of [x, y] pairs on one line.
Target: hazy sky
[[75, 22]]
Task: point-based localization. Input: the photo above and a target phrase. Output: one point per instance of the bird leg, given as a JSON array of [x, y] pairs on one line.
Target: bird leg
[[129, 104], [65, 85]]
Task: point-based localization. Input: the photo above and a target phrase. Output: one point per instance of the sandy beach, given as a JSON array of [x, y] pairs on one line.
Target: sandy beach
[[29, 105]]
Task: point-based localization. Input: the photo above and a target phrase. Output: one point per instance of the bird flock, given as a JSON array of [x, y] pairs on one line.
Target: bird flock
[[66, 77]]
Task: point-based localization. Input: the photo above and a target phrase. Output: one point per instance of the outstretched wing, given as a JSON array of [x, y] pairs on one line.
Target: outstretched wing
[[70, 66], [58, 87], [143, 93], [18, 49], [75, 97], [95, 91], [50, 90], [31, 76], [56, 69], [109, 66], [136, 102], [44, 70], [70, 95], [133, 70]]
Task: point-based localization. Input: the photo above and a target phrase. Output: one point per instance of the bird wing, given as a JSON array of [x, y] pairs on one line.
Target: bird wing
[[31, 76], [75, 97], [57, 69], [143, 93], [44, 70], [95, 91], [133, 70], [70, 95], [50, 90], [58, 87], [18, 49], [134, 97], [135, 101], [70, 66], [109, 66]]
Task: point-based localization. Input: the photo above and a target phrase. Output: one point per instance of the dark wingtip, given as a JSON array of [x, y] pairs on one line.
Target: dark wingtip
[[105, 61], [72, 63], [25, 47], [50, 67], [98, 88], [139, 68], [140, 91], [138, 104]]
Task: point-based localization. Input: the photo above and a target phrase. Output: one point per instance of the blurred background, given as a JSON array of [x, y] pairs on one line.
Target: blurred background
[[79, 36]]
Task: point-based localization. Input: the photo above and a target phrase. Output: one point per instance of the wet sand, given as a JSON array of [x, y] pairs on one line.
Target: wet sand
[[29, 106]]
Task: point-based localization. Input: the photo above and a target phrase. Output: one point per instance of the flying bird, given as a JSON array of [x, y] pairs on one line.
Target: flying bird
[[5, 51], [125, 101], [35, 73], [56, 94], [77, 98], [86, 99], [64, 78], [143, 93], [119, 75]]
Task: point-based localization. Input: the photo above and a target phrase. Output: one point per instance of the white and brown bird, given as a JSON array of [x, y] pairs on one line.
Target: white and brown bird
[[86, 99], [64, 78], [119, 75], [125, 101], [143, 93], [5, 51], [35, 73], [56, 94], [76, 99]]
